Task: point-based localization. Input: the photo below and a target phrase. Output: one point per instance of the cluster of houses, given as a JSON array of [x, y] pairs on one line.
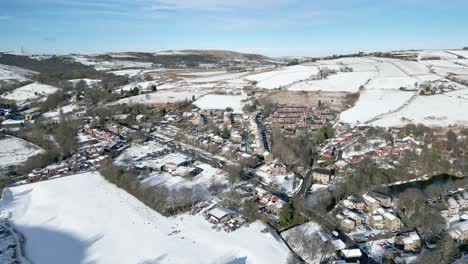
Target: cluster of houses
[[176, 164], [23, 116], [454, 208], [260, 144], [269, 202], [100, 134], [371, 211], [333, 148], [88, 156], [291, 118]]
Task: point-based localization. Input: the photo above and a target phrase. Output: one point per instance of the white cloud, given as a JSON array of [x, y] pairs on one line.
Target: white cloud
[[217, 5]]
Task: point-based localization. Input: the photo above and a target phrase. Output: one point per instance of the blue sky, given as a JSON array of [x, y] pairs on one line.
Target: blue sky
[[270, 27]]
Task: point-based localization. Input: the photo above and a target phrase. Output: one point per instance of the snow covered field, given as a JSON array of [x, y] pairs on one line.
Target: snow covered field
[[89, 82], [130, 73], [162, 97], [95, 222], [14, 151], [30, 92], [437, 110], [372, 103], [346, 82], [65, 110], [283, 76], [14, 73], [221, 102], [142, 86], [217, 77]]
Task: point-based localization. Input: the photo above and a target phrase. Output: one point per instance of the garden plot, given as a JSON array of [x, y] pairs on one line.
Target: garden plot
[[342, 81], [14, 151], [220, 102], [96, 222], [373, 103], [284, 76], [446, 109], [30, 92]]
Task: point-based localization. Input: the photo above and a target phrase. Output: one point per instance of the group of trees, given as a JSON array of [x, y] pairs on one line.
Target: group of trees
[[415, 213], [296, 151], [57, 140], [446, 251], [313, 248], [159, 198]]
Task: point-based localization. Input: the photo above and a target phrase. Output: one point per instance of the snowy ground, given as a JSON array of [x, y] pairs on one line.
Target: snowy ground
[[89, 82], [138, 151], [283, 76], [162, 97], [85, 219], [130, 73], [373, 103], [14, 151], [221, 102], [30, 92], [55, 114], [370, 145], [202, 182], [140, 85], [437, 110], [14, 73], [285, 183], [346, 81]]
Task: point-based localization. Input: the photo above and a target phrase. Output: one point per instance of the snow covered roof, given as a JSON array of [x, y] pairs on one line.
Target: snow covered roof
[[389, 216], [175, 158], [12, 122], [220, 213], [413, 237], [338, 244], [351, 253], [369, 198]]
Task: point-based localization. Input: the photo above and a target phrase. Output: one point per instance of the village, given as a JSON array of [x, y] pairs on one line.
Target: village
[[243, 151], [203, 147]]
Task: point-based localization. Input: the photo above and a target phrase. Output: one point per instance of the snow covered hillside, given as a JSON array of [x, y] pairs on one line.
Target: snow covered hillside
[[30, 92], [14, 73], [85, 219], [14, 151]]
